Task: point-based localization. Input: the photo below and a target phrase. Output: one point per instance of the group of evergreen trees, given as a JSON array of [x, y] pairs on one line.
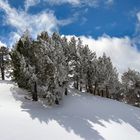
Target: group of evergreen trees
[[47, 65]]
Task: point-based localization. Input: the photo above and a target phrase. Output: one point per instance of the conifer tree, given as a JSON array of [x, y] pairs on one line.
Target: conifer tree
[[131, 86], [4, 60], [74, 63], [107, 77], [88, 61]]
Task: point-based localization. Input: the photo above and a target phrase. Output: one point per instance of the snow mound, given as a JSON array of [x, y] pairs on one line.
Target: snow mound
[[79, 117]]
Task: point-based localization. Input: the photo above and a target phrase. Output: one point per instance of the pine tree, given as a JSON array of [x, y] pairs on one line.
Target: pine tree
[[60, 60], [20, 60], [4, 60], [88, 60], [74, 63], [107, 77], [131, 86]]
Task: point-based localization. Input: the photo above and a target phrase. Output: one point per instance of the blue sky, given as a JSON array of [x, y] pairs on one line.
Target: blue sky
[[85, 17], [111, 26]]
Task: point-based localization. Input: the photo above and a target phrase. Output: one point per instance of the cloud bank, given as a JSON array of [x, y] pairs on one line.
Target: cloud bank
[[122, 51]]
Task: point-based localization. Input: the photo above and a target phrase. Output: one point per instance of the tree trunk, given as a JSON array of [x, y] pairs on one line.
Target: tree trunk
[[98, 92], [87, 88], [2, 74], [77, 83], [2, 68], [34, 94], [90, 89], [80, 86], [56, 101], [107, 92], [66, 91], [102, 91], [95, 88], [89, 83]]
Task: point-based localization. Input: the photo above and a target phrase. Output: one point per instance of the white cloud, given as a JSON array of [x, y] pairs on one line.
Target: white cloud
[[98, 27], [138, 22], [109, 2], [136, 37], [122, 51], [14, 37], [21, 20], [138, 16], [29, 3], [2, 44], [59, 2], [91, 3], [64, 22]]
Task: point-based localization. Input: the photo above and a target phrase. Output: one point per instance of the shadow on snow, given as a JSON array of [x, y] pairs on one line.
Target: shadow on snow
[[76, 111]]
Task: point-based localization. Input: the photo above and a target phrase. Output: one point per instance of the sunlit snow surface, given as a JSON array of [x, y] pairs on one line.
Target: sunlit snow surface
[[79, 117]]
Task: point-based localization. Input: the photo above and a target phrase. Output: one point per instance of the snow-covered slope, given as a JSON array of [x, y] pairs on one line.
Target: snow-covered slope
[[79, 117]]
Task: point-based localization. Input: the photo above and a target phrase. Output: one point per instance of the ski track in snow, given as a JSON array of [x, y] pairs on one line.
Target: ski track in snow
[[80, 116]]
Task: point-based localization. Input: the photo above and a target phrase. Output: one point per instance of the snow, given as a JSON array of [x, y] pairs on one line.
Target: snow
[[79, 117]]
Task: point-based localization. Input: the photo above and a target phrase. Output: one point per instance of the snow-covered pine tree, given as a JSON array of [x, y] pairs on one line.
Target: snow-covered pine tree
[[19, 53], [131, 86], [60, 60], [24, 64], [80, 71], [66, 51], [74, 63], [87, 67], [44, 67], [4, 60], [50, 67], [107, 77]]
